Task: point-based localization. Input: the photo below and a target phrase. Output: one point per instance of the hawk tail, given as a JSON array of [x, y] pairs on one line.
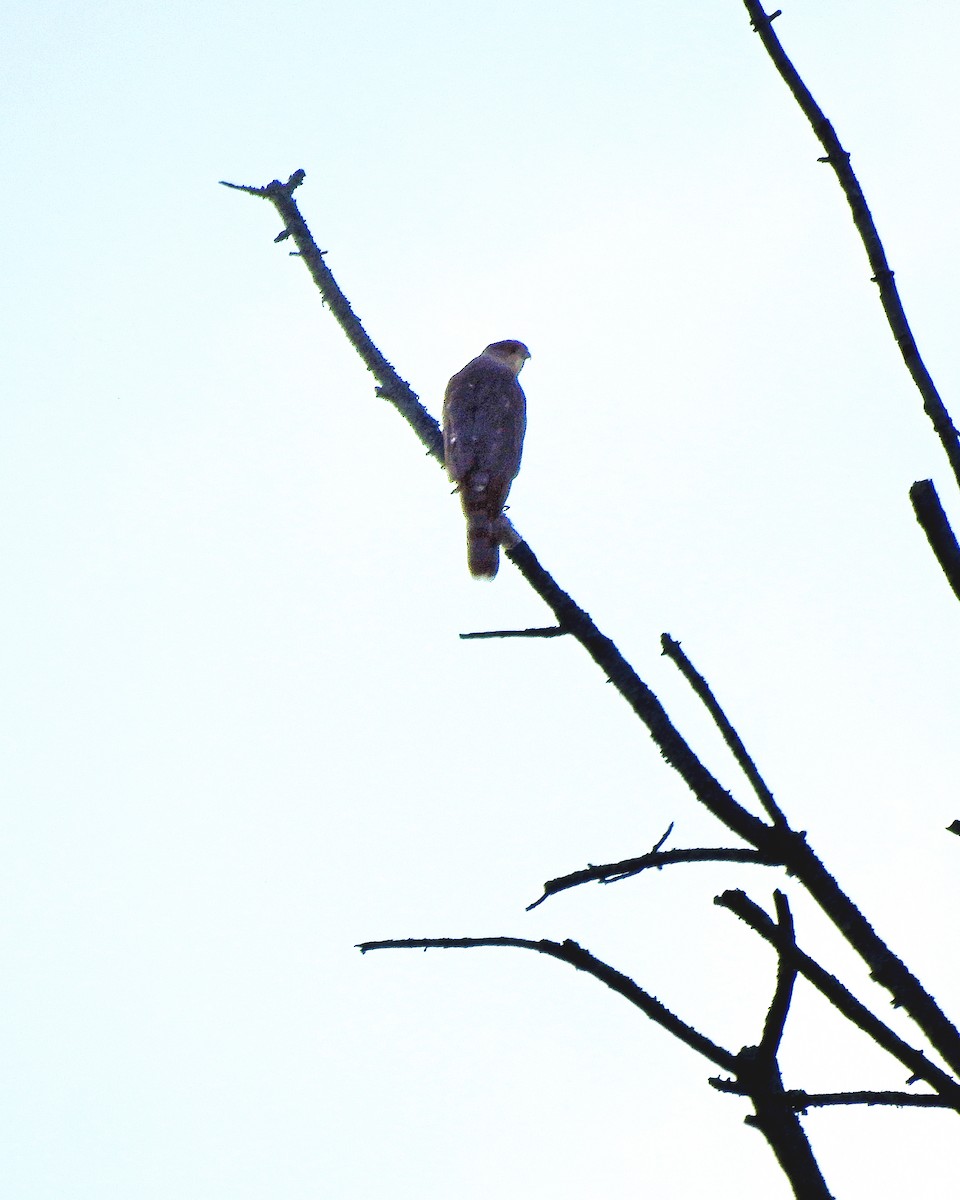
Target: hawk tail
[[483, 545]]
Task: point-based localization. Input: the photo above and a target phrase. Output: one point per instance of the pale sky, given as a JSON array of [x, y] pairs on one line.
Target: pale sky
[[240, 731]]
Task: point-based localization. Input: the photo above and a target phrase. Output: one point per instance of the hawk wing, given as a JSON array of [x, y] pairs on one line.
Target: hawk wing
[[484, 420]]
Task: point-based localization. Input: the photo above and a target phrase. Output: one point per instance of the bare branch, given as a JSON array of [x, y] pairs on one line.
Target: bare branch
[[392, 387], [573, 954], [614, 872], [840, 997], [933, 520], [786, 978], [641, 699], [800, 1100], [839, 159], [776, 842], [673, 651], [779, 1123], [544, 631]]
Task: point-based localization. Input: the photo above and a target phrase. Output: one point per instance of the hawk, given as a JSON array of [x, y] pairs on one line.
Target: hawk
[[484, 419]]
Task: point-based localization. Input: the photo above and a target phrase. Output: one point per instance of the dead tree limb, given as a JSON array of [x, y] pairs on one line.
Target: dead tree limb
[[841, 997], [777, 842], [933, 521], [839, 160], [673, 651], [758, 1071], [575, 956], [653, 860]]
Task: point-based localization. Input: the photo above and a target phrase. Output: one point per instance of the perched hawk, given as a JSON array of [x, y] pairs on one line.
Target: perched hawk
[[484, 418]]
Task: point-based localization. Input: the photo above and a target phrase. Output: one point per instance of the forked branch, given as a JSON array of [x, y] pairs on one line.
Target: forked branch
[[772, 841], [839, 996]]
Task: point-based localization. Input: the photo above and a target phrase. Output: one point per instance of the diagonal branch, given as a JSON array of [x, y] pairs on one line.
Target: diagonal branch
[[574, 955], [673, 651], [392, 387], [933, 520], [839, 159], [840, 997], [670, 742], [773, 841]]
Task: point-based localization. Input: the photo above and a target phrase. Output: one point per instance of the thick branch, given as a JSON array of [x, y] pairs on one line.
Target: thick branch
[[839, 996], [573, 954], [775, 1117], [669, 741], [886, 968], [839, 159], [933, 520], [759, 1078]]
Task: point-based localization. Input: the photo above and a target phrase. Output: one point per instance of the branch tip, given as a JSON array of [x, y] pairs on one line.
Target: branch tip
[[546, 631]]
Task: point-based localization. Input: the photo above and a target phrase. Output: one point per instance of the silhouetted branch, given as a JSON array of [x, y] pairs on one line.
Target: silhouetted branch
[[641, 699], [773, 842], [573, 954], [392, 387], [933, 520], [886, 969], [546, 631], [615, 872], [758, 1077], [839, 159], [777, 1120], [840, 997], [786, 978], [673, 651], [800, 1100]]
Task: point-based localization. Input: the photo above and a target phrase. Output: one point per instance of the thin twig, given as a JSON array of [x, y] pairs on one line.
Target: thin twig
[[573, 954], [652, 860], [839, 159], [801, 1100], [673, 651], [545, 631]]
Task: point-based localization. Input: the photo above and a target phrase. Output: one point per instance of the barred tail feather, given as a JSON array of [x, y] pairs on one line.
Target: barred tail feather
[[483, 548]]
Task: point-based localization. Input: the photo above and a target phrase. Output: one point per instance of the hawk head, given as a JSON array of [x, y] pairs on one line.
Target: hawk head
[[511, 353]]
